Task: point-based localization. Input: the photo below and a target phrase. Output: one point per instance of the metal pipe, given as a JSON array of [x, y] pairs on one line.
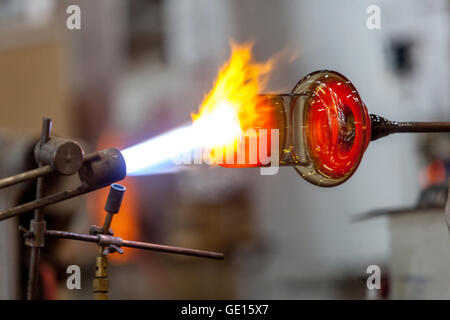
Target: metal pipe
[[39, 203], [382, 127], [422, 127], [28, 175], [171, 249], [33, 274], [135, 244], [107, 223], [72, 236]]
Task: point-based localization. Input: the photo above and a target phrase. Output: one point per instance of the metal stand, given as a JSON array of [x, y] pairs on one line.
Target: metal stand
[[96, 170], [37, 225], [107, 243]]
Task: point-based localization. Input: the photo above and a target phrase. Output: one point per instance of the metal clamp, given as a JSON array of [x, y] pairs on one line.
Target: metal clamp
[[37, 232], [106, 240]]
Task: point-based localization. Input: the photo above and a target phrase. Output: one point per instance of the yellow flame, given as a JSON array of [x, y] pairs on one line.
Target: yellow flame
[[231, 107]]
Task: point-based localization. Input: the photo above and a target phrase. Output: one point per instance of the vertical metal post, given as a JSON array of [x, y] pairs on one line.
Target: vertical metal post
[[33, 274]]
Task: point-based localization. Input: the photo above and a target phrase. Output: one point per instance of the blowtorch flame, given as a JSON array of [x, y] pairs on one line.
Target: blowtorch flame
[[237, 86], [230, 109]]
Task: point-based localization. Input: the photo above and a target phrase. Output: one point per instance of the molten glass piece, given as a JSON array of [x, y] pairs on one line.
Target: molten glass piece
[[324, 129], [334, 128]]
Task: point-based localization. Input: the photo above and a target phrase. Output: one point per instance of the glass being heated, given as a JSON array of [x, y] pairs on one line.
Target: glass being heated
[[329, 128], [322, 127]]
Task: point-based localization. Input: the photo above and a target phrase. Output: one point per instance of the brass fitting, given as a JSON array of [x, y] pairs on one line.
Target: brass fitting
[[100, 284]]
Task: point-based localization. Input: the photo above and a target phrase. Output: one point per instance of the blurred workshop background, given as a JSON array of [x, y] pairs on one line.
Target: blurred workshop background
[[137, 68]]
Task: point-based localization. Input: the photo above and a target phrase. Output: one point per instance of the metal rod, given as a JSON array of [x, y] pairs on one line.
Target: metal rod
[[28, 175], [72, 236], [39, 203], [382, 127], [137, 245], [171, 249], [107, 222], [33, 274], [421, 127]]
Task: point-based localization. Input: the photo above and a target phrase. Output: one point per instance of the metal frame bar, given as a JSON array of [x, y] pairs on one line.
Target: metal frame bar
[[106, 240]]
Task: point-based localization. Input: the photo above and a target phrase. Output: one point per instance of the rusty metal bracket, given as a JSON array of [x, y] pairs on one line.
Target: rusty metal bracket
[[106, 240], [96, 230], [36, 236]]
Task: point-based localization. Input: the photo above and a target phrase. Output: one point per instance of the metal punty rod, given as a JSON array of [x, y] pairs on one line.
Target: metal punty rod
[[382, 127]]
